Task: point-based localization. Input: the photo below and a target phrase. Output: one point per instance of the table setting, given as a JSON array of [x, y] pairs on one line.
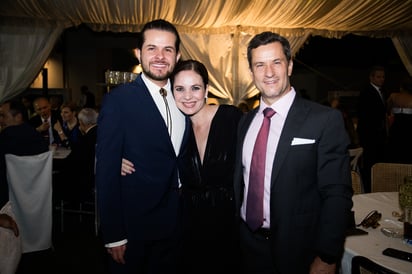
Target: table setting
[[381, 217]]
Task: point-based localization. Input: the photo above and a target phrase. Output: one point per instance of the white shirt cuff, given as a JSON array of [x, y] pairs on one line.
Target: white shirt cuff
[[119, 243]]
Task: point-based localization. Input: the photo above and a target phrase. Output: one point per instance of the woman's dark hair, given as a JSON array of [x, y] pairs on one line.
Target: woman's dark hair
[[194, 65], [71, 105], [265, 38]]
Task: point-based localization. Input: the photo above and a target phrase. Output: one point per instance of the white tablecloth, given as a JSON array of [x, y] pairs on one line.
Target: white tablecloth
[[372, 245]]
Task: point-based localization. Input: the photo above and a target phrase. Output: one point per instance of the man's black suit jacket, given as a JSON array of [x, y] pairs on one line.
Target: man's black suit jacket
[[311, 191]]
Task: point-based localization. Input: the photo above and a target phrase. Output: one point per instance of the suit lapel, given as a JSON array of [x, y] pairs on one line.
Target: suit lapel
[[291, 128], [147, 103], [294, 121]]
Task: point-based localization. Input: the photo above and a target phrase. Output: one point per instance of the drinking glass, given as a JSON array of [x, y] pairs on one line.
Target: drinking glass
[[405, 193], [407, 223]]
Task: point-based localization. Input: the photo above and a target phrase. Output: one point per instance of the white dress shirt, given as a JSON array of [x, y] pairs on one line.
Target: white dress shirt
[[178, 118], [379, 91]]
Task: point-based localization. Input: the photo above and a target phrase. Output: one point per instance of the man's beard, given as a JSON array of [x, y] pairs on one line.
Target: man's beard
[[156, 76]]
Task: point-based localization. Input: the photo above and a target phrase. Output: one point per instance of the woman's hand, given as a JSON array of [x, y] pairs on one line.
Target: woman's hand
[[127, 167]]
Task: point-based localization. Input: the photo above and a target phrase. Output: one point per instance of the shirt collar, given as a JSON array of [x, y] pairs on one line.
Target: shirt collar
[[282, 105], [376, 87], [153, 88], [45, 119], [87, 130]]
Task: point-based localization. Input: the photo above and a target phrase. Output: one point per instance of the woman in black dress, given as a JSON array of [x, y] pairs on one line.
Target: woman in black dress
[[210, 245], [400, 130]]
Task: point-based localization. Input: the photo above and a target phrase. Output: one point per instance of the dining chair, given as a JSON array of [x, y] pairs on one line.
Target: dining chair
[[355, 155], [81, 208], [356, 182], [30, 193], [386, 177], [363, 265], [74, 197]]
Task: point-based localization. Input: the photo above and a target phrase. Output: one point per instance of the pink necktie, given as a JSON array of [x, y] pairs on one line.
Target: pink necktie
[[254, 206]]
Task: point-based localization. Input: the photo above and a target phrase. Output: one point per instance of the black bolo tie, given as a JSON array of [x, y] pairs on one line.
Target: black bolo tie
[[163, 92]]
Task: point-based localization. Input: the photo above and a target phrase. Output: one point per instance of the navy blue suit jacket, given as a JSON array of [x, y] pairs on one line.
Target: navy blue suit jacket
[[311, 191], [145, 204]]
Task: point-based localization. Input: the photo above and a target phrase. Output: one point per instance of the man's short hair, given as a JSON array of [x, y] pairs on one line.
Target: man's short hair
[[265, 38], [17, 107], [159, 24]]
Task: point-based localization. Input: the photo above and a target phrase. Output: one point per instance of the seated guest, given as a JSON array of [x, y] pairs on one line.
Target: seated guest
[[45, 119], [16, 137], [78, 167], [28, 104], [69, 130], [19, 138]]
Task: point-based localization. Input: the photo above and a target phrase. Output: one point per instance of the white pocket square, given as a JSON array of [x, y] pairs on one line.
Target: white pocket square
[[302, 141]]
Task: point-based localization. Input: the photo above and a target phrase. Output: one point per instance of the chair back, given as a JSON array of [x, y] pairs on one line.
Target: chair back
[[363, 265], [386, 177], [355, 154], [356, 183], [30, 193]]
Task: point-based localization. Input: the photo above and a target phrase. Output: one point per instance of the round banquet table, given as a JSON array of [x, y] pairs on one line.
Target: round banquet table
[[372, 244]]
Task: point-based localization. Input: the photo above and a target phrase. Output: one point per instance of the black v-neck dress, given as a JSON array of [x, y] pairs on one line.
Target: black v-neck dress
[[210, 245]]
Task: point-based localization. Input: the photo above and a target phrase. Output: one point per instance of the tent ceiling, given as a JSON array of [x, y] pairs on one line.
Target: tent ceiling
[[330, 18], [214, 31]]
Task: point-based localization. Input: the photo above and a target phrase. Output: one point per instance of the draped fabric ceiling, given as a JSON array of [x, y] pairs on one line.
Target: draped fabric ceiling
[[215, 32]]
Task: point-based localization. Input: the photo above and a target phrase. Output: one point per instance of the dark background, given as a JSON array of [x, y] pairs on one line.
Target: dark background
[[350, 54]]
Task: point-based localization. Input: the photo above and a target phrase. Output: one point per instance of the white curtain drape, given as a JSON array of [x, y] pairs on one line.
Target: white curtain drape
[[25, 46], [403, 45], [229, 76], [215, 32]]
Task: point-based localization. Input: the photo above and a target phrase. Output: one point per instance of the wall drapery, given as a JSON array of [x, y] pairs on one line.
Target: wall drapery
[[215, 32], [25, 46]]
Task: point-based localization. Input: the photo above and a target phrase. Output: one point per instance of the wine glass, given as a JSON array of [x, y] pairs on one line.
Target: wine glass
[[405, 193]]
